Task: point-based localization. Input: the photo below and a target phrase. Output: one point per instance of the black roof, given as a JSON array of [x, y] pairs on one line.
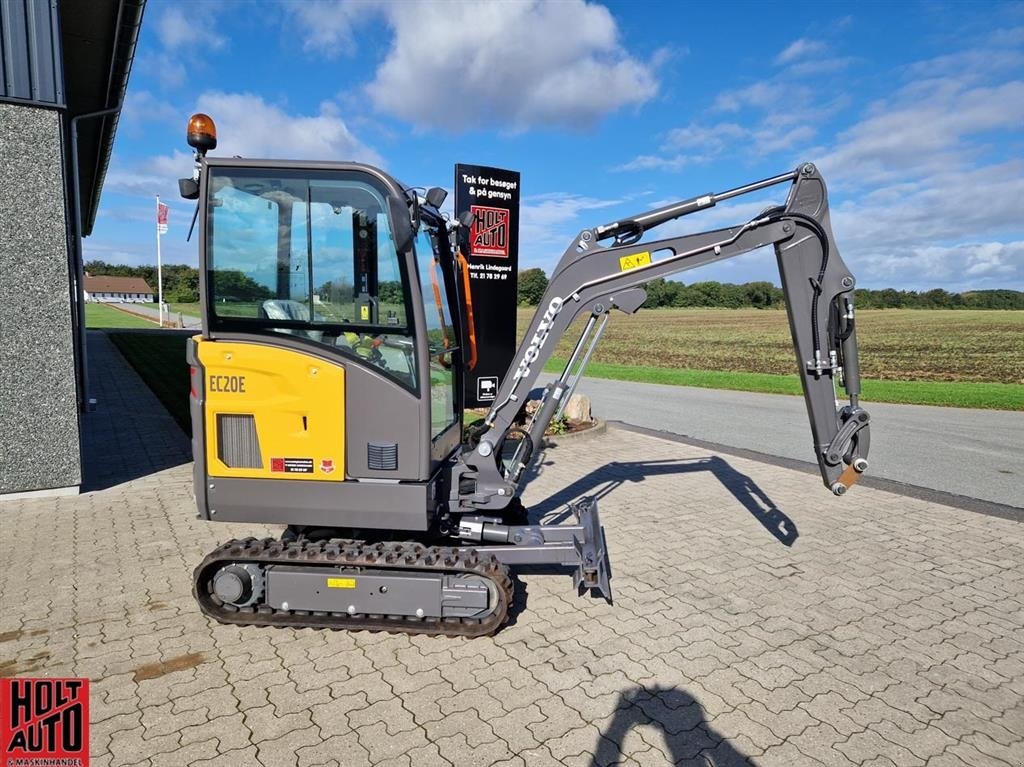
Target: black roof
[[98, 38]]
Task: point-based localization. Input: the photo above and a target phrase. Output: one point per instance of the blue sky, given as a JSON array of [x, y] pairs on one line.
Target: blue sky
[[914, 112]]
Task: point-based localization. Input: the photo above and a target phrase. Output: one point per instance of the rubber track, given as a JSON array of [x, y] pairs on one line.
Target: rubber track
[[407, 556]]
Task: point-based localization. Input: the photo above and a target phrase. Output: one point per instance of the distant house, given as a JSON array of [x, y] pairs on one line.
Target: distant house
[[117, 290]]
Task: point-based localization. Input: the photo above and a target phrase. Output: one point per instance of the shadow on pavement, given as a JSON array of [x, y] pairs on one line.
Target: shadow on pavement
[[688, 737], [603, 481], [128, 434]]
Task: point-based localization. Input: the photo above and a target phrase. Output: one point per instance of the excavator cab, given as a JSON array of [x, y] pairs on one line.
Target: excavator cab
[[323, 300]]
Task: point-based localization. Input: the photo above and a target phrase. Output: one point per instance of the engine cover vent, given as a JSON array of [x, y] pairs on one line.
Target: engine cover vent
[[238, 445], [382, 456]]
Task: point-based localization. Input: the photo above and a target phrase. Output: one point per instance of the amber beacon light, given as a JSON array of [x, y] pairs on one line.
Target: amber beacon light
[[202, 133]]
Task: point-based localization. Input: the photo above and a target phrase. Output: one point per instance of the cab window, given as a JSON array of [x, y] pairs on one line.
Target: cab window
[[309, 255]]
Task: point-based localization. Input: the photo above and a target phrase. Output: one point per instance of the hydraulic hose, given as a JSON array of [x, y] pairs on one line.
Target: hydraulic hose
[[823, 240]]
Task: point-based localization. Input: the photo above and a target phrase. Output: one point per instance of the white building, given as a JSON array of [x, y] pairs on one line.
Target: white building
[[117, 290]]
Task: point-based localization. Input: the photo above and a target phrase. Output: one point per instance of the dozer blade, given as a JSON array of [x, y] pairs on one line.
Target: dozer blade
[[579, 547], [594, 570]]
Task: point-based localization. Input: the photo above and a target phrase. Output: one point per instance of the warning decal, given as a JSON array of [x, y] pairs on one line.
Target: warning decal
[[632, 262], [341, 583], [291, 465]]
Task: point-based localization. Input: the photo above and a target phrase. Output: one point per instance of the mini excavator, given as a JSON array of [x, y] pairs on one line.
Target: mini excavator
[[327, 388]]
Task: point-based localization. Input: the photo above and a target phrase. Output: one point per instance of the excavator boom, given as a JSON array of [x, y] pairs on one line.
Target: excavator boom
[[593, 278]]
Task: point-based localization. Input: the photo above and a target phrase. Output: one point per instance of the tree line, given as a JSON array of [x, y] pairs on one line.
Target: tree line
[[765, 295], [181, 282], [181, 285]]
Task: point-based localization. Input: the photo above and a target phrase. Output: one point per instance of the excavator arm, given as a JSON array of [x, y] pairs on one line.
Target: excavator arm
[[605, 268]]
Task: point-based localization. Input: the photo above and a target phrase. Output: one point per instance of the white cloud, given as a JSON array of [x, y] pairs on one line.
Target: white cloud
[[657, 162], [772, 133], [922, 190], [762, 95], [185, 33], [695, 136], [820, 67], [969, 65], [329, 25], [956, 267], [947, 206], [547, 223], [146, 178], [141, 106], [510, 66], [176, 29], [924, 129], [249, 126], [799, 49], [556, 208]]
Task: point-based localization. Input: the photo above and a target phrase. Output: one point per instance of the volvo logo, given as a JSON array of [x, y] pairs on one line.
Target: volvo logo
[[539, 338]]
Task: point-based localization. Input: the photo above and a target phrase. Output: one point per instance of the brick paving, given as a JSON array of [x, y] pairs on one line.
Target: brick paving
[[757, 621], [128, 434]]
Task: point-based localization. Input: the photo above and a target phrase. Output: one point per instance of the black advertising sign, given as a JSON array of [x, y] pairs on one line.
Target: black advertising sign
[[492, 250]]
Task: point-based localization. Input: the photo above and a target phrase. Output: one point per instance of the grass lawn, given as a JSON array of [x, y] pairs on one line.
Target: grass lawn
[[950, 358], [947, 394], [895, 344], [927, 357], [189, 310], [159, 359], [104, 316]]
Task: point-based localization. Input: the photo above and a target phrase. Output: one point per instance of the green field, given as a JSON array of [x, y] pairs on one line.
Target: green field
[[958, 358], [104, 316], [938, 357]]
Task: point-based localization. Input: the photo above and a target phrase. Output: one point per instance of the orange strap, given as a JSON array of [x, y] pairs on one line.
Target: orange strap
[[464, 265], [440, 311]]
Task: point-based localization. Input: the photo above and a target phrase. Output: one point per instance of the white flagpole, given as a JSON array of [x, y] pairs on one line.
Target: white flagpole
[[159, 266]]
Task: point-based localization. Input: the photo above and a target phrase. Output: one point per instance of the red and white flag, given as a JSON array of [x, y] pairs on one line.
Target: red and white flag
[[161, 217]]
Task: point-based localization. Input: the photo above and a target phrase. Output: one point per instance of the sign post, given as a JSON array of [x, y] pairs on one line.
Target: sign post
[[161, 228], [492, 251]]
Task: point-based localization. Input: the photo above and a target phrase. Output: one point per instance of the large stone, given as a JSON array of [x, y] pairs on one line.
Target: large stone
[[578, 408]]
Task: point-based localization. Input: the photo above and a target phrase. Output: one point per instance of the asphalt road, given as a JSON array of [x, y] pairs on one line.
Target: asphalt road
[[152, 313], [974, 453]]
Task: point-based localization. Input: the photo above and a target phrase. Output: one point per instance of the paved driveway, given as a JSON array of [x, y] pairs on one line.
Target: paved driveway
[[757, 620], [153, 313], [973, 453]]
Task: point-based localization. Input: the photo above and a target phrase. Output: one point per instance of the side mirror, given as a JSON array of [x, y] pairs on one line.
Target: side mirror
[[189, 188], [466, 218], [436, 196]]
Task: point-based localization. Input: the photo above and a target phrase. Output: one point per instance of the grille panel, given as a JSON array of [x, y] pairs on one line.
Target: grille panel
[[382, 456], [238, 445]]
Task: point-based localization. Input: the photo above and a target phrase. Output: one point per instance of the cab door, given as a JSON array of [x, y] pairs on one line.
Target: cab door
[[304, 260], [443, 393]]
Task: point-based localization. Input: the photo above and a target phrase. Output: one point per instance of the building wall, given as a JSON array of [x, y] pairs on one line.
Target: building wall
[[39, 438], [30, 55], [120, 298]]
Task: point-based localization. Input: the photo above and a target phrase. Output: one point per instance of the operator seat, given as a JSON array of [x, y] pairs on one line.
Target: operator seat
[[284, 309]]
